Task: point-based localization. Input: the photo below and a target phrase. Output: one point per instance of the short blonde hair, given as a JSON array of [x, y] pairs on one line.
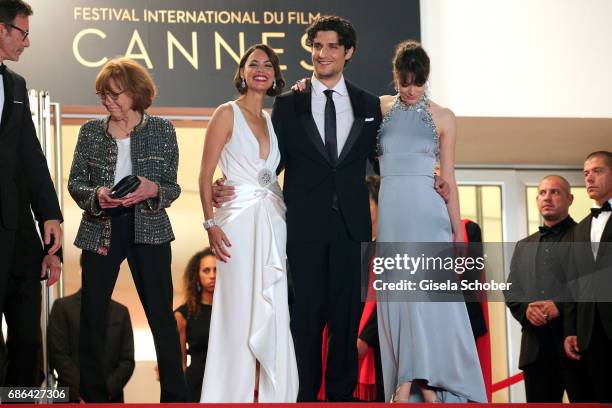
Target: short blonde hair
[[131, 77]]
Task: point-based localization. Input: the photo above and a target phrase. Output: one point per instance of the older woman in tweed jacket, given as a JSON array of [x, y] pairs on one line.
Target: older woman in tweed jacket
[[136, 227]]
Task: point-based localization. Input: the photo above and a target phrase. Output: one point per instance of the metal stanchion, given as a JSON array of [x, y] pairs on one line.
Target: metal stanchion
[[51, 144], [45, 109], [34, 109], [59, 180]]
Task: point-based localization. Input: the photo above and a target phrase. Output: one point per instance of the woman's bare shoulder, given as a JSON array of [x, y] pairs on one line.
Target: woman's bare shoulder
[[223, 115], [224, 110], [386, 102], [222, 121], [440, 112]]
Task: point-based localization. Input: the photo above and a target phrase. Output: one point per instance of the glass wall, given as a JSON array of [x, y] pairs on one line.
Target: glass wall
[[483, 205]]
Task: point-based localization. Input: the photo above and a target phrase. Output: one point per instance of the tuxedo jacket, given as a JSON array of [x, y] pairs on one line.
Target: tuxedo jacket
[[524, 290], [594, 278], [311, 179], [25, 182]]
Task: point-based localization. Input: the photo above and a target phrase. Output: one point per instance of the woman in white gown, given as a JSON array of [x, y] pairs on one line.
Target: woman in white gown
[[250, 317]]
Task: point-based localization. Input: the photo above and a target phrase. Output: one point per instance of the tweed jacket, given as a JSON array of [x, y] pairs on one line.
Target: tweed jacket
[[154, 153]]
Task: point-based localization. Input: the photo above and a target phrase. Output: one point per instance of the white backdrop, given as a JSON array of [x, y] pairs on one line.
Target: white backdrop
[[520, 58]]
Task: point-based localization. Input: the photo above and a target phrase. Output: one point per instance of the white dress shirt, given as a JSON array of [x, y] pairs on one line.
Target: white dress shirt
[[344, 110], [597, 227]]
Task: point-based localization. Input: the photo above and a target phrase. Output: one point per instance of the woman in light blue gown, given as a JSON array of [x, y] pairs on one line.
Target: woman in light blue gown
[[427, 348]]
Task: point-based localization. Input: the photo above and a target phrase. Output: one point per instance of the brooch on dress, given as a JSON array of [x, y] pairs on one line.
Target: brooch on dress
[[265, 177]]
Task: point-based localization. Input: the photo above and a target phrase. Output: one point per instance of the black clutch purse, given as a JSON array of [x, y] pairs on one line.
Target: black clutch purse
[[126, 185]]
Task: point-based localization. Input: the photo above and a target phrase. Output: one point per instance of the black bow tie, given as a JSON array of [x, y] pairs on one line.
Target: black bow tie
[[544, 230], [596, 211], [2, 69]]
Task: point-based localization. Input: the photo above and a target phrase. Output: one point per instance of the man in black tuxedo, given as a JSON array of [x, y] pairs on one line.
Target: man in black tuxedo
[[588, 321], [538, 282], [25, 187], [325, 135]]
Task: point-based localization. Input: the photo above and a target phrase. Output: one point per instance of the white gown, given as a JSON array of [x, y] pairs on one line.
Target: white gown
[[250, 314]]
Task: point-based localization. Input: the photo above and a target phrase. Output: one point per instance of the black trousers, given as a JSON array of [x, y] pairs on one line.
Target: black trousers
[[150, 267], [20, 303], [553, 373], [2, 358], [22, 306], [326, 278], [7, 247], [7, 242], [599, 360]]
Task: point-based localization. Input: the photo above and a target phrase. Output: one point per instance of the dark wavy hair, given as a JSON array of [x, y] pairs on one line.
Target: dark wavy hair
[[191, 279], [278, 76], [347, 36], [9, 9], [411, 63]]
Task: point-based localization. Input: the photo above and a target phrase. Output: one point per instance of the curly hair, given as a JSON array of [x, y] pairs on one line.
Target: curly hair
[[191, 280], [345, 30]]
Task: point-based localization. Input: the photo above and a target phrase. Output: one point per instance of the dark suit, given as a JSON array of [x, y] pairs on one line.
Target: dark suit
[[2, 357], [23, 300], [591, 321], [328, 216], [25, 186], [472, 298], [63, 346], [537, 273]]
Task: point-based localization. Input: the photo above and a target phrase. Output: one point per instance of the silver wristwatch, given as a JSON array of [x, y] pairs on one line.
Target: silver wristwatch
[[209, 223]]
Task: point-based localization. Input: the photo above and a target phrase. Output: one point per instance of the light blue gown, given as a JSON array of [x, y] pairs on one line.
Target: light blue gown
[[430, 341]]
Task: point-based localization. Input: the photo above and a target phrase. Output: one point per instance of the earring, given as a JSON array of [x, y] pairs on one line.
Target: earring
[[243, 84], [198, 287], [274, 84]]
